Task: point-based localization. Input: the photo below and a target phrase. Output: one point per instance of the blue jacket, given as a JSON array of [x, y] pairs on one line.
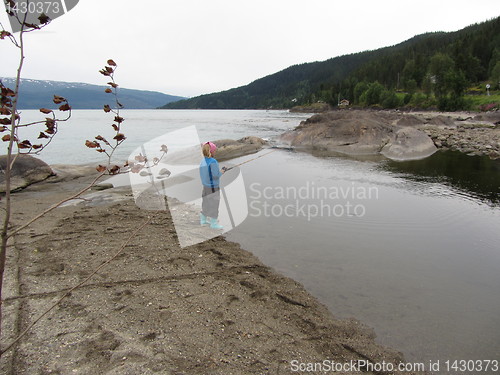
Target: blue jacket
[[209, 172]]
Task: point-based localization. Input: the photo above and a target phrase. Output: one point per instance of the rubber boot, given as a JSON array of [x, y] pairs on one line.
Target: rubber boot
[[215, 225], [203, 219]]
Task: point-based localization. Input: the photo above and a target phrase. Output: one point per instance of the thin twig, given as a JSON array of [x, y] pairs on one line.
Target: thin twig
[[68, 293], [54, 206]]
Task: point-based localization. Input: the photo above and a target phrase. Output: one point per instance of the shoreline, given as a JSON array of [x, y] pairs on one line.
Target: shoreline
[[471, 133], [209, 307]]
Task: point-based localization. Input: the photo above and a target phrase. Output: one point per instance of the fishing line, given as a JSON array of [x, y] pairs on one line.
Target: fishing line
[[248, 161]]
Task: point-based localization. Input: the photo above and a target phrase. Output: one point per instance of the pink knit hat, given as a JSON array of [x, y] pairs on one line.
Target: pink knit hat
[[213, 147]]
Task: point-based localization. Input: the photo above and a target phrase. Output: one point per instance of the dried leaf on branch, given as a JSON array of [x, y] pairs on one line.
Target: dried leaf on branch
[[24, 144], [91, 144], [58, 99], [44, 19], [101, 168], [65, 107], [119, 137]]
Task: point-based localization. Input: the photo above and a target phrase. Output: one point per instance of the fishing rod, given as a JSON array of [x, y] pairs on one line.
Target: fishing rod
[[248, 161]]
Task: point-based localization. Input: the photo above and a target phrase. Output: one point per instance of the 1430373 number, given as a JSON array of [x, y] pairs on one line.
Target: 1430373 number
[[35, 7], [472, 365]]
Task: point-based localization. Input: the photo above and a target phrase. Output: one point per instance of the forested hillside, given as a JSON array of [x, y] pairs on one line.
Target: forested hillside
[[430, 69]]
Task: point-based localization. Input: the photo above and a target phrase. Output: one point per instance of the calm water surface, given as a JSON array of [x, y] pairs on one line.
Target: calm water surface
[[421, 263], [141, 126], [410, 248]]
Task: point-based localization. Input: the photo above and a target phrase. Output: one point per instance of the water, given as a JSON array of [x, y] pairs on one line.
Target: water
[[141, 126], [409, 248], [420, 263], [478, 177]]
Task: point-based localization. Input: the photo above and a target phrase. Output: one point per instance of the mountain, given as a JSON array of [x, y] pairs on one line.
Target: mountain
[[474, 53], [36, 94], [279, 89]]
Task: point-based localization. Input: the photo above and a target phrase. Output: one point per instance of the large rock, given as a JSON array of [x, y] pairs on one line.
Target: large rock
[[230, 149], [361, 133], [26, 170], [409, 143], [226, 149]]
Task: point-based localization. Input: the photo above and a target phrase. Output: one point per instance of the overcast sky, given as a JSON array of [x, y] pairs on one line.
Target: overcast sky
[[194, 47]]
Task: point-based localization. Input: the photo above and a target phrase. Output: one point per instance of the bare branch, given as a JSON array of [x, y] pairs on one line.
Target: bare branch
[[4, 33], [54, 206]]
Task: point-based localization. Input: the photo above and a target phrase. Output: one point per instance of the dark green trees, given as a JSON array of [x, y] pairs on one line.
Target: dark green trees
[[429, 70]]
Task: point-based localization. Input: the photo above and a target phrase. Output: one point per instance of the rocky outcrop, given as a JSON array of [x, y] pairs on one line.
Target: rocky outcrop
[[470, 139], [470, 133], [355, 132], [226, 149], [67, 172], [398, 135], [26, 170], [230, 149]]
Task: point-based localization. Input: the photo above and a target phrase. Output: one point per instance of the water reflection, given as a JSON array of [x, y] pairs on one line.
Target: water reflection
[[422, 267], [476, 176]]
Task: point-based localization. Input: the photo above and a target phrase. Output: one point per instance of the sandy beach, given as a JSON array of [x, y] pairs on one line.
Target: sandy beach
[[212, 308]]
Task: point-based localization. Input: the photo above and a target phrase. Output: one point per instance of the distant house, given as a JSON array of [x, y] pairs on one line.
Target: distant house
[[344, 103]]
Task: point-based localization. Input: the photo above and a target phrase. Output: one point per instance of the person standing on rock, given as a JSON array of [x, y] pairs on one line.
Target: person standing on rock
[[210, 176]]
